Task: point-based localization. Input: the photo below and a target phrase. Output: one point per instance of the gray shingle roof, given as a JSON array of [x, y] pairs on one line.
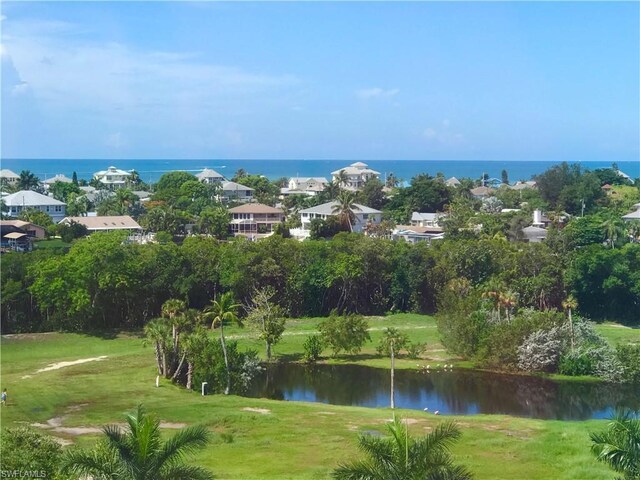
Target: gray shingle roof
[[29, 198]]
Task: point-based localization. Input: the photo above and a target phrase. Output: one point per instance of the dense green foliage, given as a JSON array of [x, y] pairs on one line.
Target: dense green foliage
[[102, 282], [26, 450]]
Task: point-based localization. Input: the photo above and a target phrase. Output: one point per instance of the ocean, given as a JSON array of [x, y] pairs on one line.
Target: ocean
[[151, 170]]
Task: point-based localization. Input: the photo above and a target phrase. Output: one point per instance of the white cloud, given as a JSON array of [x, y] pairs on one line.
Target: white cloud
[[376, 92], [20, 89], [66, 71], [3, 18]]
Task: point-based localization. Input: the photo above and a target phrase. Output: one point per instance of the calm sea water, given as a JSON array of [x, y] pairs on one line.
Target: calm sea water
[[151, 170]]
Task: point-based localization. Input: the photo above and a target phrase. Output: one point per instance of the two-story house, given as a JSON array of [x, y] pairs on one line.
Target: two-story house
[[235, 192], [254, 218], [26, 199], [355, 175], [209, 176], [363, 216], [112, 177]]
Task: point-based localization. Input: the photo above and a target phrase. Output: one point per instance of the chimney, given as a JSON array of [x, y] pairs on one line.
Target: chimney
[[537, 218]]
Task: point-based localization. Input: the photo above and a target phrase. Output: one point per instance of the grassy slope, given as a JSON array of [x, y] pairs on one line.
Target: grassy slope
[[296, 440]]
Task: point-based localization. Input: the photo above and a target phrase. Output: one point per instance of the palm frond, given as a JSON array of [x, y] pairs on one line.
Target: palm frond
[[185, 472], [186, 441]]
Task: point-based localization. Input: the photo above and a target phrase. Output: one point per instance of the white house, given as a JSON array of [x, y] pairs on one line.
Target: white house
[[419, 219], [310, 186], [112, 177], [635, 215], [232, 191], [27, 199], [534, 234], [209, 176], [452, 182], [57, 178], [363, 216], [254, 218], [8, 176], [357, 173]]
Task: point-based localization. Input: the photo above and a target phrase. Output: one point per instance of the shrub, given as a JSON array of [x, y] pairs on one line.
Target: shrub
[[575, 363], [541, 351], [344, 333], [24, 449], [414, 350], [629, 358], [312, 348]]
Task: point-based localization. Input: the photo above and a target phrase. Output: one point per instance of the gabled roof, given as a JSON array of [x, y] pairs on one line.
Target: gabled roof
[[118, 222], [6, 173], [208, 173], [632, 216], [29, 198], [452, 182], [481, 191], [15, 235], [58, 178], [255, 208], [421, 230], [356, 168], [327, 209], [15, 223], [429, 217], [111, 171], [234, 186], [311, 179]]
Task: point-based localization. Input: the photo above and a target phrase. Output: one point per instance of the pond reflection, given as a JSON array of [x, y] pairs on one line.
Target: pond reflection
[[464, 392]]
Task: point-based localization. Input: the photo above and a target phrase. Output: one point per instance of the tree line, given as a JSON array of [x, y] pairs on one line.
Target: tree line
[[102, 282]]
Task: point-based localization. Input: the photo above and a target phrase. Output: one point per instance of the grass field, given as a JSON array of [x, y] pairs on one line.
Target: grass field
[[289, 441]]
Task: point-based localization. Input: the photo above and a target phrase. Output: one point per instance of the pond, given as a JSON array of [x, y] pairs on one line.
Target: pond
[[461, 392]]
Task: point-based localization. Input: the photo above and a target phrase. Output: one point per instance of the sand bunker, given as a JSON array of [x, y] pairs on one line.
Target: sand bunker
[[263, 411], [59, 365]]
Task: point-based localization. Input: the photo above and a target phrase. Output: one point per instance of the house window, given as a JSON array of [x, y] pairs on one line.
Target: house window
[[47, 207], [365, 216], [58, 208], [248, 193]]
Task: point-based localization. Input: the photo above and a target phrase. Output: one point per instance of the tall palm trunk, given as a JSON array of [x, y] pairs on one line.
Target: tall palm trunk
[[179, 367], [189, 374], [158, 358], [226, 360], [393, 364], [571, 329]]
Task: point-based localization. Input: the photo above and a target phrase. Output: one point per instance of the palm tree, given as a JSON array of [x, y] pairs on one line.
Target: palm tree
[[332, 189], [569, 304], [138, 453], [508, 300], [401, 457], [619, 445], [220, 311], [28, 180], [342, 179], [494, 291], [124, 199], [193, 345], [613, 229], [157, 332], [345, 207], [172, 309], [391, 342]]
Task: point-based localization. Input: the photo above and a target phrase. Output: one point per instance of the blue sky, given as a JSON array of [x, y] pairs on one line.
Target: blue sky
[[379, 80]]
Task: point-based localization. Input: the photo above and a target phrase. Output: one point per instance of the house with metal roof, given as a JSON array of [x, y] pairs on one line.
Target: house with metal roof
[[8, 176], [356, 175], [112, 177], [310, 186], [57, 178], [210, 176], [635, 215], [235, 192], [363, 216], [421, 219], [26, 199]]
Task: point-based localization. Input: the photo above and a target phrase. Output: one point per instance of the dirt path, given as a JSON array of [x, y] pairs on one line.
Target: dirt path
[[59, 365]]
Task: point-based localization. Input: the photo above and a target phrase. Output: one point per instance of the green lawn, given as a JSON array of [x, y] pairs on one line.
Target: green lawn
[[292, 440]]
